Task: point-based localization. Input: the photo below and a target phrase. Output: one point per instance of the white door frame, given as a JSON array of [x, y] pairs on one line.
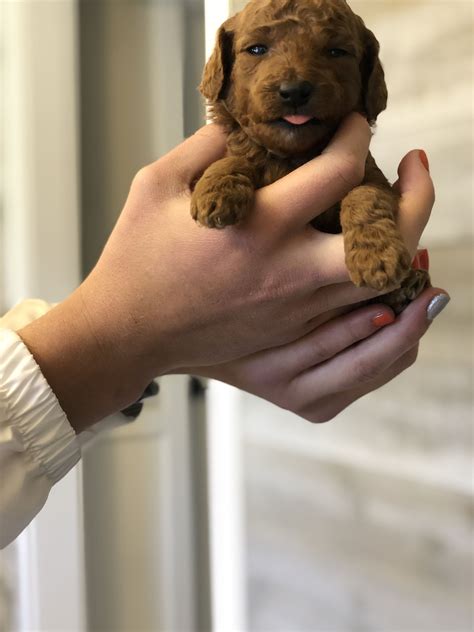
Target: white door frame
[[226, 495], [41, 249]]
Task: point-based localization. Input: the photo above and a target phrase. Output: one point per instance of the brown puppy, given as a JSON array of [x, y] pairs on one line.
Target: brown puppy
[[282, 76]]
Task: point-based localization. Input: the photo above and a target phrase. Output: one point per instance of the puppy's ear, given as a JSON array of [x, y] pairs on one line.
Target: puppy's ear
[[219, 66], [374, 89]]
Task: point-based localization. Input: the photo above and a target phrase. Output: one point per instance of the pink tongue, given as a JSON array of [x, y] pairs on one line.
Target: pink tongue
[[297, 119]]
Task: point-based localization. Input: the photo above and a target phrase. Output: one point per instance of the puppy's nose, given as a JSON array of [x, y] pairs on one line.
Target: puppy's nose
[[295, 92]]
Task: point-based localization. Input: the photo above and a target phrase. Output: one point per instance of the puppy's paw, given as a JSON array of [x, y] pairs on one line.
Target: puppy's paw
[[411, 287], [379, 268], [223, 201]]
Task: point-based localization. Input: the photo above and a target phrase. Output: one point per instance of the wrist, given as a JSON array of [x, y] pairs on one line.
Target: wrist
[[90, 376]]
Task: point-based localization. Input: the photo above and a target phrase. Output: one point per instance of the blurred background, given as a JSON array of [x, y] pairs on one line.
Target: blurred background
[[366, 523], [363, 524]]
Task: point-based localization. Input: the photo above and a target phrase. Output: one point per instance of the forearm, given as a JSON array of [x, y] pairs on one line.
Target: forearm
[[90, 379]]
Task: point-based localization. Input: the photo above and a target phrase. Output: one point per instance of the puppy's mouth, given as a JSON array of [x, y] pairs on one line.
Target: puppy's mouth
[[296, 121], [299, 119], [292, 133]]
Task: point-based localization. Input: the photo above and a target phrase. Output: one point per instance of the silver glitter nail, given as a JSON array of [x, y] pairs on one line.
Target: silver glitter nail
[[437, 305]]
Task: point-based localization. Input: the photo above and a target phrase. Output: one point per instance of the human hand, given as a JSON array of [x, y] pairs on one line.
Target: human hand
[[168, 294], [342, 360], [185, 296], [211, 296], [347, 356]]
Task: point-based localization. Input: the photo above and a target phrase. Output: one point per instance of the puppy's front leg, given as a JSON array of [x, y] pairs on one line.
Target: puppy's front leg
[[224, 194]]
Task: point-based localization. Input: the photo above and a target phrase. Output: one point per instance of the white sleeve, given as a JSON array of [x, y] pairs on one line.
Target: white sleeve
[[37, 444]]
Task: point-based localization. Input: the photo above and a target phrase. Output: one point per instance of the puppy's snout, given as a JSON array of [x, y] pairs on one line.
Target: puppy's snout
[[295, 92]]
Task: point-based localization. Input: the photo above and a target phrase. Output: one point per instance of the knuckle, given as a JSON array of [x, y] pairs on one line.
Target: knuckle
[[413, 335], [289, 401], [321, 299], [365, 370], [155, 180], [292, 399], [411, 357], [431, 195], [351, 170], [144, 178], [319, 416], [405, 362], [143, 174], [322, 351], [356, 329], [281, 394]]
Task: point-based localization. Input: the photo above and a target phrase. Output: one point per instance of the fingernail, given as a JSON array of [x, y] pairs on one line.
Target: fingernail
[[421, 260], [438, 303], [383, 319], [424, 160]]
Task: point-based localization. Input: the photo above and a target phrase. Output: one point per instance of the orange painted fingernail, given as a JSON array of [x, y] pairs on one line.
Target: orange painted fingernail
[[424, 160], [383, 319]]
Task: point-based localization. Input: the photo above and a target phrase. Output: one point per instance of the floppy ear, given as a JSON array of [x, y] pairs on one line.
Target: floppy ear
[[374, 89], [218, 68]]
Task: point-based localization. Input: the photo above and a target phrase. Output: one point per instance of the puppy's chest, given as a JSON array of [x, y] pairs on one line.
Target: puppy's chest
[[329, 221], [274, 167], [268, 168]]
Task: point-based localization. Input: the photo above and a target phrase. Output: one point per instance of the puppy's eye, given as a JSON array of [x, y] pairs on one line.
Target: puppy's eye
[[338, 52], [257, 49]]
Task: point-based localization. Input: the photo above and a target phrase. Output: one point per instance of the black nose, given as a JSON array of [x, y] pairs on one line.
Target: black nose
[[295, 92]]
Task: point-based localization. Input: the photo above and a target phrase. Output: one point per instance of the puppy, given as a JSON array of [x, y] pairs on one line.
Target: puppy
[[283, 75]]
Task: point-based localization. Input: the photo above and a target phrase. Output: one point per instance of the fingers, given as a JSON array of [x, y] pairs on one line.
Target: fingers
[[339, 295], [187, 162], [417, 198], [335, 336], [321, 374], [293, 201], [325, 409], [370, 358], [325, 256]]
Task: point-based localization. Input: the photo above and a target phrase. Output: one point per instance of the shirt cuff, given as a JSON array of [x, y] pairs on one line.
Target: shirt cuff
[[31, 419]]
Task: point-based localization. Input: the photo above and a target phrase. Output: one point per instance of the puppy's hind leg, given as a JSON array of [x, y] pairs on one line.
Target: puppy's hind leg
[[376, 255], [411, 287]]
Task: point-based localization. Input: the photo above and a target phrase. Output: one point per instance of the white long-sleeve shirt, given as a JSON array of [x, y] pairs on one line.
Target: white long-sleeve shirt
[[38, 446]]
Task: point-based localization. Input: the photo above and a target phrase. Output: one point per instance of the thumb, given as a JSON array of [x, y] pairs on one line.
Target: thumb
[[417, 194]]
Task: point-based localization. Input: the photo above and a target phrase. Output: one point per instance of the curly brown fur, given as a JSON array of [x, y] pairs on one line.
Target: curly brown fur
[[320, 62]]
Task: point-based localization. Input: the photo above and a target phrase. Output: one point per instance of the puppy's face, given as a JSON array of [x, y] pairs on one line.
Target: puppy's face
[[288, 71]]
